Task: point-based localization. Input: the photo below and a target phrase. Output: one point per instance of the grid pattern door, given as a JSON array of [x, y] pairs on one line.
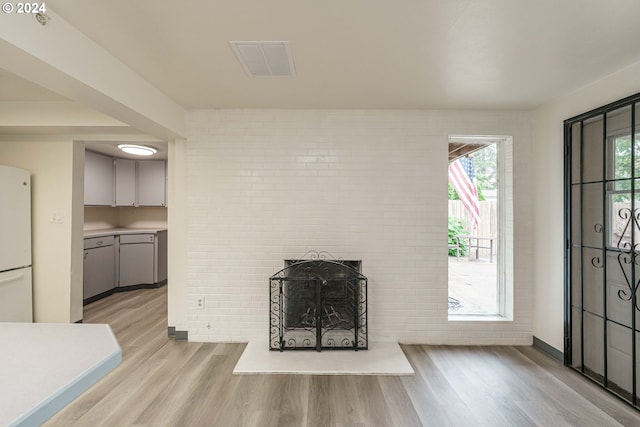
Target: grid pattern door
[[602, 231]]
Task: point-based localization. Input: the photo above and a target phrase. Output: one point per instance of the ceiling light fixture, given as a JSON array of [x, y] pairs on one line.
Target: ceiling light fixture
[[138, 150]]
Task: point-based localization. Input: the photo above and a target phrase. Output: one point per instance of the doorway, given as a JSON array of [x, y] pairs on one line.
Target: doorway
[[602, 220], [125, 220]]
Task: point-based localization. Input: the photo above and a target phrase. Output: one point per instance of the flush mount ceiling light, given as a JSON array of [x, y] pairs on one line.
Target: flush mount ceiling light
[[138, 150], [265, 58]]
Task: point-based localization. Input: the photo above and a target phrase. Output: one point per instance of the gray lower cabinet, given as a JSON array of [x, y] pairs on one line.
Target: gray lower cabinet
[[137, 259], [124, 260], [99, 266], [161, 256]]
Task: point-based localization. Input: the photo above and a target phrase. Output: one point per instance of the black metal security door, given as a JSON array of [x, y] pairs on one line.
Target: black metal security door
[[602, 232]]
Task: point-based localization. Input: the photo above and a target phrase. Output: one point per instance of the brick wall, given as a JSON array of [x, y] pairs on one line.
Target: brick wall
[[265, 185]]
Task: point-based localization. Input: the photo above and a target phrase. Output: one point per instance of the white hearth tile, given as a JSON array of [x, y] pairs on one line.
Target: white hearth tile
[[379, 359]]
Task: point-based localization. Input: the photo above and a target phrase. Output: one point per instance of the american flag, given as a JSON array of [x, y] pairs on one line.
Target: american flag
[[462, 178]]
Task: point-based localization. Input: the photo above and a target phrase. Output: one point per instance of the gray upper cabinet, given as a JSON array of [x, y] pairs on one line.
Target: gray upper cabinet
[[125, 182], [98, 179], [152, 179]]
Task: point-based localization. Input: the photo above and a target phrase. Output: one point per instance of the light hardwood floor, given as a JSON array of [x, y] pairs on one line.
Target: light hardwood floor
[[166, 383]]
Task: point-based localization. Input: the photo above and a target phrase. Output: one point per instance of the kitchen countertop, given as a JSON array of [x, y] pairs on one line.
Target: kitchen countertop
[[45, 366], [117, 231]]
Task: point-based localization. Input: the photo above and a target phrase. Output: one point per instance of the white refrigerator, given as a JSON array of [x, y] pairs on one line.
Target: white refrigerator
[[16, 300]]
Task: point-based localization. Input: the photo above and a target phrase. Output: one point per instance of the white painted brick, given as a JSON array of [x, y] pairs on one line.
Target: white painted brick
[[265, 185]]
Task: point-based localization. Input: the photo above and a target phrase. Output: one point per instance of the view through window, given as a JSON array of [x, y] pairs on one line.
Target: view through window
[[619, 190], [473, 227]]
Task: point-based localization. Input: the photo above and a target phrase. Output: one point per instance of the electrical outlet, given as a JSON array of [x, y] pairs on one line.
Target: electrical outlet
[[200, 302]]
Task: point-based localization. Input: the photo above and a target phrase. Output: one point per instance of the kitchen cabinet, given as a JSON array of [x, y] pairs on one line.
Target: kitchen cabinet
[[98, 179], [161, 256], [152, 183], [125, 260], [99, 266], [140, 182], [125, 178], [137, 259], [124, 182]]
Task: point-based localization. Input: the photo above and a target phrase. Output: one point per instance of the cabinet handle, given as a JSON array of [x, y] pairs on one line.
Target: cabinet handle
[[12, 278], [99, 243]]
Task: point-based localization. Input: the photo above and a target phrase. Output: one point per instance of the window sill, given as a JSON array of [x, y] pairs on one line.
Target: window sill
[[477, 318]]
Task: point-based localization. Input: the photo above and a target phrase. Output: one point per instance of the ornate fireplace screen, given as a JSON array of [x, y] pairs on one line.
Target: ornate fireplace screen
[[318, 304]]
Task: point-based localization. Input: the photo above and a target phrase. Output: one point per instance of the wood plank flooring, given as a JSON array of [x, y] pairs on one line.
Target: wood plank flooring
[[166, 383]]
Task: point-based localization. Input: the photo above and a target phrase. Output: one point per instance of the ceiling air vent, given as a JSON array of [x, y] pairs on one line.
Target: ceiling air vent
[[265, 59]]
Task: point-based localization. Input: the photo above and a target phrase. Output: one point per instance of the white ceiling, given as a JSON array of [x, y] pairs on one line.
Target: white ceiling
[[484, 54]]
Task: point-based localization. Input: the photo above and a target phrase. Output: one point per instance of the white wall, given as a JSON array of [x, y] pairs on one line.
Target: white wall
[[264, 185], [142, 217], [57, 261], [77, 243], [98, 217], [547, 150], [177, 238]]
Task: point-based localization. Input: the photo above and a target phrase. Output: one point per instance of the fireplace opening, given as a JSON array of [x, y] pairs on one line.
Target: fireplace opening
[[318, 303]]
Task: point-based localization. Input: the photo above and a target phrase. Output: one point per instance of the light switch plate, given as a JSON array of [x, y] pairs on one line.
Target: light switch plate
[[56, 217]]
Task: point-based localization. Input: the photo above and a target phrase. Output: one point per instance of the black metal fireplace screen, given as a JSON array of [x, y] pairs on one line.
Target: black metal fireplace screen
[[318, 304]]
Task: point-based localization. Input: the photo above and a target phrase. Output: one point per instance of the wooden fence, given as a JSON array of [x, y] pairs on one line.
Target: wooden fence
[[488, 226]]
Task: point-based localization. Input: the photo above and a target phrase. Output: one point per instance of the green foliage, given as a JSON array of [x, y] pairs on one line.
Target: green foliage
[[485, 162], [622, 168], [480, 192], [453, 195], [456, 228]]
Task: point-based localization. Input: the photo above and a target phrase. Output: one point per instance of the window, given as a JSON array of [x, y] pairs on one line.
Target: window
[[619, 189], [481, 255]]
